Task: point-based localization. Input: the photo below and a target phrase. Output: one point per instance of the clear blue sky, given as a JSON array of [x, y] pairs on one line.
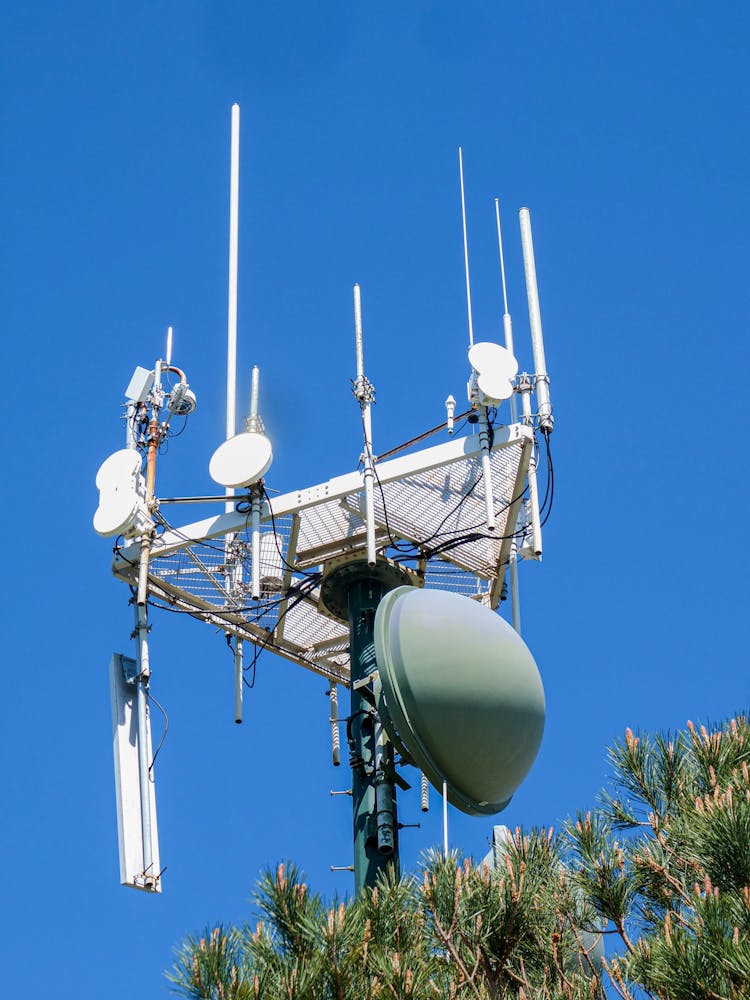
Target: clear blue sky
[[622, 127]]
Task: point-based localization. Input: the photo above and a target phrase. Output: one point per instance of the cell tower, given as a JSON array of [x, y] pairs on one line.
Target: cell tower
[[385, 580]]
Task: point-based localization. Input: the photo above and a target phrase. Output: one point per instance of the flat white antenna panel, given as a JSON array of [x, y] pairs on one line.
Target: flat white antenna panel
[[127, 779], [140, 385]]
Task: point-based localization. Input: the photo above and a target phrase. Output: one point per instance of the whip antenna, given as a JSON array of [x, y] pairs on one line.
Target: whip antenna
[[507, 323], [466, 246], [234, 208]]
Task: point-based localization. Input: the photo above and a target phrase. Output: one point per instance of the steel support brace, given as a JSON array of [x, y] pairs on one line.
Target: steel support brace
[[373, 792]]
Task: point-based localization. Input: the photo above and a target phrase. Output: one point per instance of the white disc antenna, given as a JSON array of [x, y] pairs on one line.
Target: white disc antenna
[[122, 492], [242, 460], [246, 457], [495, 368]]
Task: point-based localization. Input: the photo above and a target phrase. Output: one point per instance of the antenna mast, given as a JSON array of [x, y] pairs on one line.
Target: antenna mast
[[234, 208]]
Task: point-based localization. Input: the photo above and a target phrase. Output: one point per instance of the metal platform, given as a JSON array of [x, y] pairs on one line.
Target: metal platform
[[430, 516]]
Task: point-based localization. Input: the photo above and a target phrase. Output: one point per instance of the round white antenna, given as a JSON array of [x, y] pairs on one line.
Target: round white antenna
[[242, 460], [495, 367], [119, 503]]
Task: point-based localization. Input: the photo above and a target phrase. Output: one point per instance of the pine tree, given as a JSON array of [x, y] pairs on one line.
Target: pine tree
[[662, 867]]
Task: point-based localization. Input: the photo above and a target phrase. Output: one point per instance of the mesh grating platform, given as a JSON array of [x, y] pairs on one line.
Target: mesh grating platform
[[430, 516]]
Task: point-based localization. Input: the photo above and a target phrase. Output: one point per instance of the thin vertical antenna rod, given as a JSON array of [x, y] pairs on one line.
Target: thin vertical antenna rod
[[507, 322], [234, 207], [364, 393], [169, 346], [546, 421], [502, 265], [466, 246]]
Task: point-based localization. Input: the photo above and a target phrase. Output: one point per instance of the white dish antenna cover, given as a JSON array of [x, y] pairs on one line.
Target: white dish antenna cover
[[122, 491], [495, 368], [242, 460]]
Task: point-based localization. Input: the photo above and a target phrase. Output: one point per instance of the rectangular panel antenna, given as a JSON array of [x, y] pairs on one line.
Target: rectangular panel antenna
[[122, 672]]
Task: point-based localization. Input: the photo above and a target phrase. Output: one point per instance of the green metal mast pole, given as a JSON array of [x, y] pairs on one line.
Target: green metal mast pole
[[373, 790]]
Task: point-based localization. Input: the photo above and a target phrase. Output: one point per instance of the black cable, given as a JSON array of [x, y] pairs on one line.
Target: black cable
[[294, 569], [166, 728], [259, 647], [550, 477]]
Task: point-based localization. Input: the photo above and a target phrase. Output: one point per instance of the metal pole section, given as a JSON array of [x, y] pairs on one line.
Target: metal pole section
[[445, 819], [238, 681], [363, 392], [142, 680], [373, 794], [515, 604], [524, 387], [130, 410], [466, 245], [234, 206], [546, 421], [507, 322], [385, 794], [484, 438], [255, 544]]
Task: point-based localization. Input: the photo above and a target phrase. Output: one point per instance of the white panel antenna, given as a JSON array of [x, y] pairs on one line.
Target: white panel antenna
[[122, 494], [140, 385], [134, 848]]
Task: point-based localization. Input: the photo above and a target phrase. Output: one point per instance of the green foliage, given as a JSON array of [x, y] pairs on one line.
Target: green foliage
[[663, 866]]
